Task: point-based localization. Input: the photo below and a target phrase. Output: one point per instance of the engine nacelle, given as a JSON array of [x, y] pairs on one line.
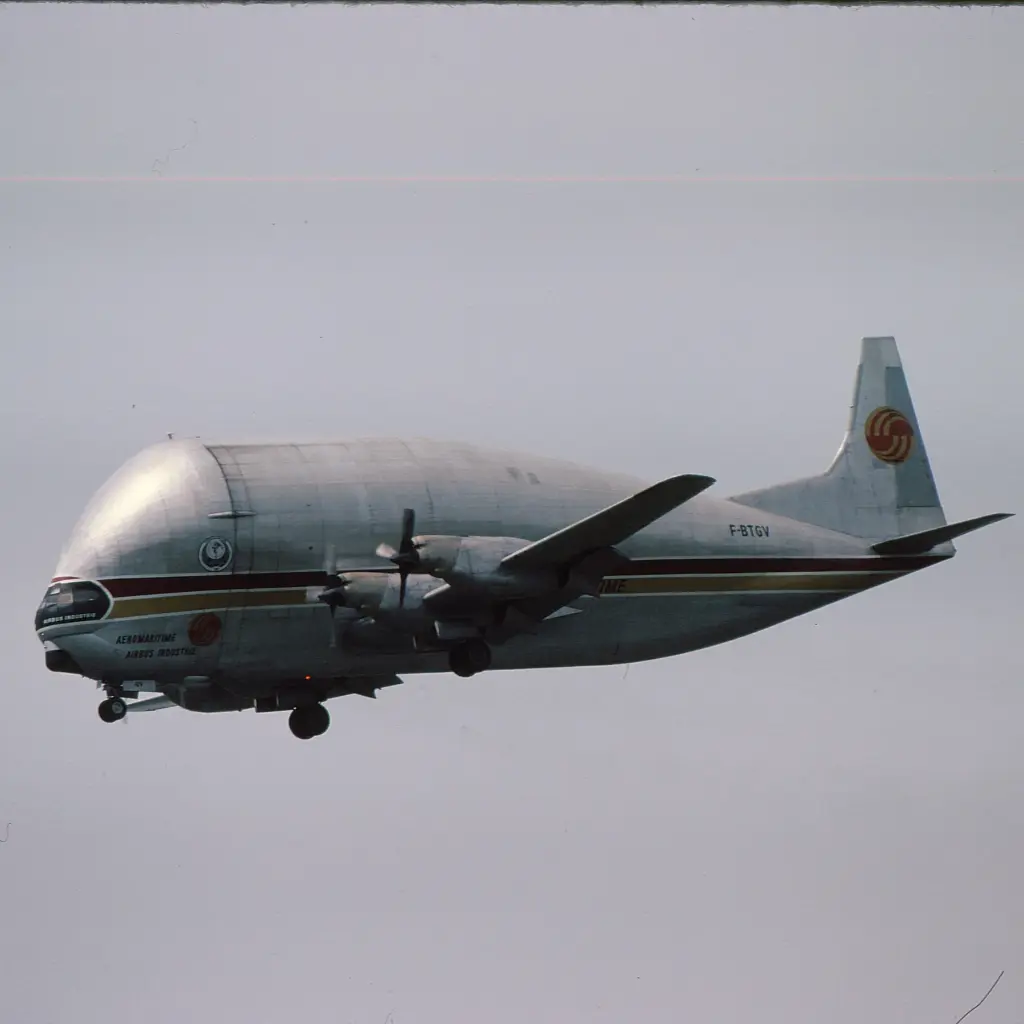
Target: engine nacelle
[[409, 611], [361, 591], [476, 561], [436, 554], [378, 596]]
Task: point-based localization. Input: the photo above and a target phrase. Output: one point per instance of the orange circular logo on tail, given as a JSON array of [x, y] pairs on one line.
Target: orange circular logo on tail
[[889, 435], [204, 630]]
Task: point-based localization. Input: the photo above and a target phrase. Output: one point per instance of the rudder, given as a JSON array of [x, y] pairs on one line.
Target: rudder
[[880, 483]]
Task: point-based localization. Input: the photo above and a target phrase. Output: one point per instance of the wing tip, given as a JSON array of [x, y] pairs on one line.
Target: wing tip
[[695, 482]]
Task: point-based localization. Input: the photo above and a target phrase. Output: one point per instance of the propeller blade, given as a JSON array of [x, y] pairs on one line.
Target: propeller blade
[[331, 568], [408, 529], [334, 598], [329, 596], [407, 552], [407, 556]]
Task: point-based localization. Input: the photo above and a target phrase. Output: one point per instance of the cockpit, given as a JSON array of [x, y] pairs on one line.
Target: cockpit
[[72, 601]]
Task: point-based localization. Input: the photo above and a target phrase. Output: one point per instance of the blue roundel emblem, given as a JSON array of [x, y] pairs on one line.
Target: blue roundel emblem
[[215, 554]]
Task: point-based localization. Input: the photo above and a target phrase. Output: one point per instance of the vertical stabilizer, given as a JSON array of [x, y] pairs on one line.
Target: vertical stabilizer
[[880, 483]]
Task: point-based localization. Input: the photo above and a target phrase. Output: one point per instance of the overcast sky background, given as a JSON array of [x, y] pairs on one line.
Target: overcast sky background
[[821, 822]]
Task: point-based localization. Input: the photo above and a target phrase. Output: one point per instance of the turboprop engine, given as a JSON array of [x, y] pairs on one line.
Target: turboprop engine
[[476, 561], [467, 562], [381, 596]]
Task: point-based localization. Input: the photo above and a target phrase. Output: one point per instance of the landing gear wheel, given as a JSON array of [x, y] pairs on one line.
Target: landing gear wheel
[[305, 723], [113, 709], [470, 657]]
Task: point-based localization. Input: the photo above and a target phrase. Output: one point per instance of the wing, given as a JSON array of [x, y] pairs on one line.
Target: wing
[[610, 526], [581, 553]]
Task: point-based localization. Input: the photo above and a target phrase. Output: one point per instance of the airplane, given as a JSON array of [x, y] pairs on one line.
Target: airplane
[[275, 577]]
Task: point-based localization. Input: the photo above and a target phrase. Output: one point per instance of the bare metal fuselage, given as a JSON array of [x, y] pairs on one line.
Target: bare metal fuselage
[[278, 576], [709, 572]]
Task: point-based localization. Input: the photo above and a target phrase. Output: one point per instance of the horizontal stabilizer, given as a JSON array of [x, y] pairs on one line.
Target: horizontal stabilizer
[[610, 526], [919, 543]]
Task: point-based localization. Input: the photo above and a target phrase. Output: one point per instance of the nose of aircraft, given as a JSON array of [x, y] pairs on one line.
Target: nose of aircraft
[[147, 521]]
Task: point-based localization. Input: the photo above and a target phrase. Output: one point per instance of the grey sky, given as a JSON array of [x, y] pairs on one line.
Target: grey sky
[[822, 822]]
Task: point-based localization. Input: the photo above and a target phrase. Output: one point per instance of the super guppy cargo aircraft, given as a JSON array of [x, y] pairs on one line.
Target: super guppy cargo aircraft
[[221, 577]]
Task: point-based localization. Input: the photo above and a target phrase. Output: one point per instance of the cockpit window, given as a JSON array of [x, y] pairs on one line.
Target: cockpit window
[[72, 601]]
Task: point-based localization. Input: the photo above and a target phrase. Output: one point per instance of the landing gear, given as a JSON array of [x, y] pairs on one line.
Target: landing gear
[[309, 721], [469, 657], [113, 709]]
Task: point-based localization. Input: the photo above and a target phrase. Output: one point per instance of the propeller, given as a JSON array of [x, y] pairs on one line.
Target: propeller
[[406, 559], [407, 556], [335, 583], [333, 591]]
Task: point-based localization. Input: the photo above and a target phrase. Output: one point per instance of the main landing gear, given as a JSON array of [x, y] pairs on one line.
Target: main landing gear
[[469, 657], [113, 709], [309, 721]]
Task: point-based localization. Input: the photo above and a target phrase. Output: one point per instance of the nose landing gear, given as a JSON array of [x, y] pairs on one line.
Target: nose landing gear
[[309, 721], [113, 709], [470, 657]]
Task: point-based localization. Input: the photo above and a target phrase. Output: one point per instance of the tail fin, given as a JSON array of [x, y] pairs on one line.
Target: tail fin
[[880, 484]]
